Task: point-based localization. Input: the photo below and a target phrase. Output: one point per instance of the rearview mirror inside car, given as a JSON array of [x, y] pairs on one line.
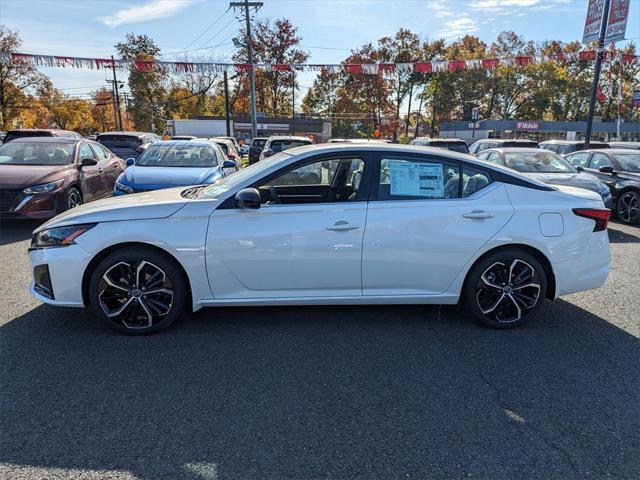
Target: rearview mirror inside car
[[248, 198]]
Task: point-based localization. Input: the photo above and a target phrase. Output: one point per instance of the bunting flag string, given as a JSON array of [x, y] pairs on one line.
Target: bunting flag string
[[350, 68]]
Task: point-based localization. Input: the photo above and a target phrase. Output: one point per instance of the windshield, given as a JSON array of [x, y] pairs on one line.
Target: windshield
[[182, 155], [629, 162], [543, 162], [23, 153], [453, 146], [280, 145], [229, 182]]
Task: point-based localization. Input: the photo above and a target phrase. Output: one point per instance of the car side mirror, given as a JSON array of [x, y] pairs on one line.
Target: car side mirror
[[88, 162], [579, 168], [229, 164], [606, 170], [130, 161], [248, 198]]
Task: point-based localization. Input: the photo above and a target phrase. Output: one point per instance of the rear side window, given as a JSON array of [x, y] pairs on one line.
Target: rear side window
[[473, 180], [417, 179], [579, 159]]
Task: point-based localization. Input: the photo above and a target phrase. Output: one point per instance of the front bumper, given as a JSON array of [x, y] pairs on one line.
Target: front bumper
[[37, 206], [66, 269]]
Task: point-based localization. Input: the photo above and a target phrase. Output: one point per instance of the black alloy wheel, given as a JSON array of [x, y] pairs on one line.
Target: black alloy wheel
[[138, 292], [628, 207], [73, 198], [505, 289]]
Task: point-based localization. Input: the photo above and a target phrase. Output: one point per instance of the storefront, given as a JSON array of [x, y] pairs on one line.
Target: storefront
[[539, 130]]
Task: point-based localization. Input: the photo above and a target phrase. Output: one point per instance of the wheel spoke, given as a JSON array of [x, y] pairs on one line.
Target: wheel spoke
[[494, 306], [117, 312]]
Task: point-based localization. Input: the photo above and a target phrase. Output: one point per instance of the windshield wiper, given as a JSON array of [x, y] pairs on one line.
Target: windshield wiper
[[192, 192]]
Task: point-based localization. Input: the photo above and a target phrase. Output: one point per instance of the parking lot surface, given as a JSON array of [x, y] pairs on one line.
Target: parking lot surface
[[323, 392]]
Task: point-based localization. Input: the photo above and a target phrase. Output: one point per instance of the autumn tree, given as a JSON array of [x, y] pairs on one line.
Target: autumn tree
[[273, 43], [17, 79], [148, 86]]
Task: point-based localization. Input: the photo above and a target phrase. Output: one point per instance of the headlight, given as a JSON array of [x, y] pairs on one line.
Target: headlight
[[45, 187], [60, 236], [121, 187]]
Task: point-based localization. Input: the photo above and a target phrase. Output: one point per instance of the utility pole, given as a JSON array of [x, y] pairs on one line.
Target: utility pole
[[293, 103], [249, 43], [116, 97], [596, 72], [227, 113]]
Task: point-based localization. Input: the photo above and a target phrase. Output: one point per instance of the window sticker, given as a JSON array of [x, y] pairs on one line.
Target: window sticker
[[416, 179]]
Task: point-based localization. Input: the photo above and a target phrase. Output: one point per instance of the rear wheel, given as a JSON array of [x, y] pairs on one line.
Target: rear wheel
[[505, 289], [138, 291], [628, 207]]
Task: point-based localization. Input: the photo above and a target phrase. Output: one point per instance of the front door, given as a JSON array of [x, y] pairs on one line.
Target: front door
[[601, 160], [430, 216], [91, 175], [305, 240]]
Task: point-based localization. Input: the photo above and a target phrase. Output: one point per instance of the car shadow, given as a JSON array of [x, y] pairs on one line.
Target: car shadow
[[332, 392], [618, 235], [12, 231]]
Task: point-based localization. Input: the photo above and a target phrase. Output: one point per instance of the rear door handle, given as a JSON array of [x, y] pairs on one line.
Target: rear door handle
[[478, 214], [341, 225]]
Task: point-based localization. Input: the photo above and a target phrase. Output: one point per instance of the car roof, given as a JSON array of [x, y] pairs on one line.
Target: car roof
[[130, 134], [50, 140], [447, 139], [187, 143], [613, 151], [289, 137], [52, 130], [517, 150], [572, 142]]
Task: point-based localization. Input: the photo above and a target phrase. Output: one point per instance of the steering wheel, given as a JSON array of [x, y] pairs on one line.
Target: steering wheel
[[275, 198]]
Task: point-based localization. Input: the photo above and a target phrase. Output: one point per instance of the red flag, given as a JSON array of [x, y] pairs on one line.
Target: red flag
[[423, 67], [600, 96], [455, 65], [354, 68], [490, 63]]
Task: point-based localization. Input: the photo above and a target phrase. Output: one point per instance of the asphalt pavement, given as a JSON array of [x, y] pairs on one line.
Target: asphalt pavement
[[323, 392]]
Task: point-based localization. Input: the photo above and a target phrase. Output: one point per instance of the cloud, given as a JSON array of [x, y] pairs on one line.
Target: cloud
[[453, 29], [501, 4], [145, 12]]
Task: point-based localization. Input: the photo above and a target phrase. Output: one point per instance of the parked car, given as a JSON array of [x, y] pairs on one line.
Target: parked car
[[486, 143], [243, 149], [183, 137], [229, 149], [359, 140], [619, 169], [231, 139], [43, 176], [390, 224], [127, 144], [564, 147], [277, 144], [174, 163], [625, 145], [547, 167], [257, 144], [453, 144], [39, 132]]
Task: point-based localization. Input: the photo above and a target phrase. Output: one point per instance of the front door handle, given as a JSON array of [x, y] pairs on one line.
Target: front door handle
[[341, 225], [478, 214]]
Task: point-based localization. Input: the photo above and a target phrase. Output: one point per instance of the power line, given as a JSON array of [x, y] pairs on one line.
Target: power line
[[207, 29]]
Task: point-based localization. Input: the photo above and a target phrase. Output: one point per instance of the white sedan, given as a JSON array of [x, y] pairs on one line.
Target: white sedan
[[380, 224]]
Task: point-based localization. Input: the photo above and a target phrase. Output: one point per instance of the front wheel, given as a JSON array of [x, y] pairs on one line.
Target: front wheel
[[72, 198], [505, 289], [138, 291], [628, 207]]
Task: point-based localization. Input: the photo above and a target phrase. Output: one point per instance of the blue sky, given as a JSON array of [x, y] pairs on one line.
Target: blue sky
[[329, 29]]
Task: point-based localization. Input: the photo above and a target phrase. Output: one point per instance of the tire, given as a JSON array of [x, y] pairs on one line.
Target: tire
[[128, 295], [494, 302], [72, 198], [628, 207]]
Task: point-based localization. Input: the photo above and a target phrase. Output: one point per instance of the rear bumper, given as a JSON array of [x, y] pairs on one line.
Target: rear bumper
[[588, 271]]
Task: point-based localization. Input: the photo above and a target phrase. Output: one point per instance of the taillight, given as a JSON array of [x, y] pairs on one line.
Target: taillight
[[601, 216]]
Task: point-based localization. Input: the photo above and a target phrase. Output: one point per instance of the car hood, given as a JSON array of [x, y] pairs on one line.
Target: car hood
[[21, 176], [138, 206], [155, 177], [579, 180]]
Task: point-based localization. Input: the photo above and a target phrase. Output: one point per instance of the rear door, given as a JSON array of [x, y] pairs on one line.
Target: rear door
[[427, 219], [110, 166]]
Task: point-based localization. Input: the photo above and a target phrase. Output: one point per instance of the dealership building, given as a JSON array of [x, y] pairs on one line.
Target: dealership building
[[539, 130], [209, 126]]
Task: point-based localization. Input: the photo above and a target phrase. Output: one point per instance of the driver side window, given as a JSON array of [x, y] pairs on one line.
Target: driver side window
[[323, 181], [599, 160]]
